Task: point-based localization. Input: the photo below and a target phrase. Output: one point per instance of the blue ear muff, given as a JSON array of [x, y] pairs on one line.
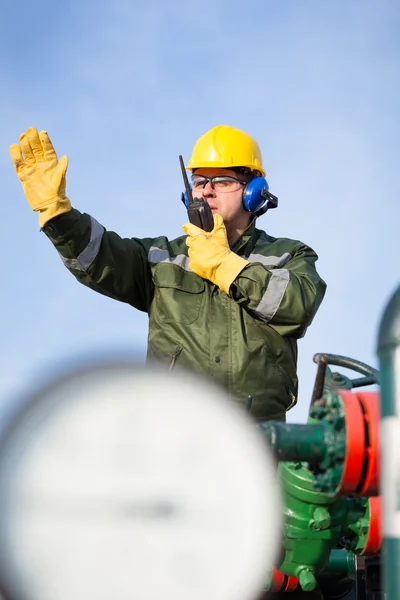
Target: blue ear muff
[[255, 194]]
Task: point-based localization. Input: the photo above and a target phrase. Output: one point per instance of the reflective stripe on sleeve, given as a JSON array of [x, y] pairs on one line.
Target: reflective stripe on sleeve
[[156, 255], [276, 261], [273, 295], [88, 255]]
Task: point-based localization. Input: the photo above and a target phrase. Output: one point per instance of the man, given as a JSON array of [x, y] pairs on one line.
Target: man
[[229, 304]]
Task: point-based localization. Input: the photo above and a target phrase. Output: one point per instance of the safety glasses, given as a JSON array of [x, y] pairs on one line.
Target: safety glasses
[[219, 183]]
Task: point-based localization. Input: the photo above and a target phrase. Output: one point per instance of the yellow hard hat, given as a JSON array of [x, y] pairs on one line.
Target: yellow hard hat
[[226, 147]]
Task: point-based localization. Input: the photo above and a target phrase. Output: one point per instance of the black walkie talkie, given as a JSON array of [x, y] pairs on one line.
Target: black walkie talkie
[[199, 211]]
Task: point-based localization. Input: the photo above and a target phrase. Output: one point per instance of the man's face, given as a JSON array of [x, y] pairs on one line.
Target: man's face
[[226, 203]]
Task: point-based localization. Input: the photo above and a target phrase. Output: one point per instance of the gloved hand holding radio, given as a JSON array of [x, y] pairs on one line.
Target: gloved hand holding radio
[[41, 174], [210, 255]]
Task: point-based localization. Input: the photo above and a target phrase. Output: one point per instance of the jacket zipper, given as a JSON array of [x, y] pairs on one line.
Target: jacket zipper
[[174, 358], [284, 379]]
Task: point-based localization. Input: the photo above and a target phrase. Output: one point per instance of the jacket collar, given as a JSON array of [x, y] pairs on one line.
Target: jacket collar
[[247, 239]]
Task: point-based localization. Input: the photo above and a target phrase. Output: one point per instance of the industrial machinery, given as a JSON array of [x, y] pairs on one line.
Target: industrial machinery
[[341, 485], [329, 476], [114, 483]]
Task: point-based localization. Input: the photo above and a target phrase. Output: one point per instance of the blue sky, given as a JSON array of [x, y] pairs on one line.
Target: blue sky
[[123, 88]]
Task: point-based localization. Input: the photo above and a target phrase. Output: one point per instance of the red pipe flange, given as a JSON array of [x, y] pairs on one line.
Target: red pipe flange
[[355, 444], [278, 580], [283, 583], [374, 538], [292, 584], [370, 402]]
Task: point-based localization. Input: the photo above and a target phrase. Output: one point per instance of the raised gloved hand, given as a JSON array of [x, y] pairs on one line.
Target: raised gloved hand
[[41, 174], [210, 255]]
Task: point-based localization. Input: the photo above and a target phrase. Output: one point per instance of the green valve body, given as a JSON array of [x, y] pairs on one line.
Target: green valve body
[[315, 523]]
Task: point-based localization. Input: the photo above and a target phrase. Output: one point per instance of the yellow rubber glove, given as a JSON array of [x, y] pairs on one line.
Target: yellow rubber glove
[[41, 174], [210, 255]]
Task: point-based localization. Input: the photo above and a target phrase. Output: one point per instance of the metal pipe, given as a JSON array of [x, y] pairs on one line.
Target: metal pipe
[[302, 443], [389, 359]]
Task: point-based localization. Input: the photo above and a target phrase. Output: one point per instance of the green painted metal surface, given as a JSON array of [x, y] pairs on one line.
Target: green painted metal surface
[[297, 442], [315, 523], [321, 443]]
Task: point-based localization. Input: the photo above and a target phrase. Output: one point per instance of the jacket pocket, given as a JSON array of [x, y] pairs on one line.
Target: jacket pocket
[[178, 294]]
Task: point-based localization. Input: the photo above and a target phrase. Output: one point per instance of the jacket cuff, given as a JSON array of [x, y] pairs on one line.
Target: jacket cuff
[[229, 269], [60, 206]]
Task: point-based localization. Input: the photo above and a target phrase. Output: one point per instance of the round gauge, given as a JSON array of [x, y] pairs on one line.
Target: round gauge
[[120, 481]]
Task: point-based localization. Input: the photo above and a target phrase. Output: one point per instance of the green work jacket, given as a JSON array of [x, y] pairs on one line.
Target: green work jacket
[[245, 341]]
